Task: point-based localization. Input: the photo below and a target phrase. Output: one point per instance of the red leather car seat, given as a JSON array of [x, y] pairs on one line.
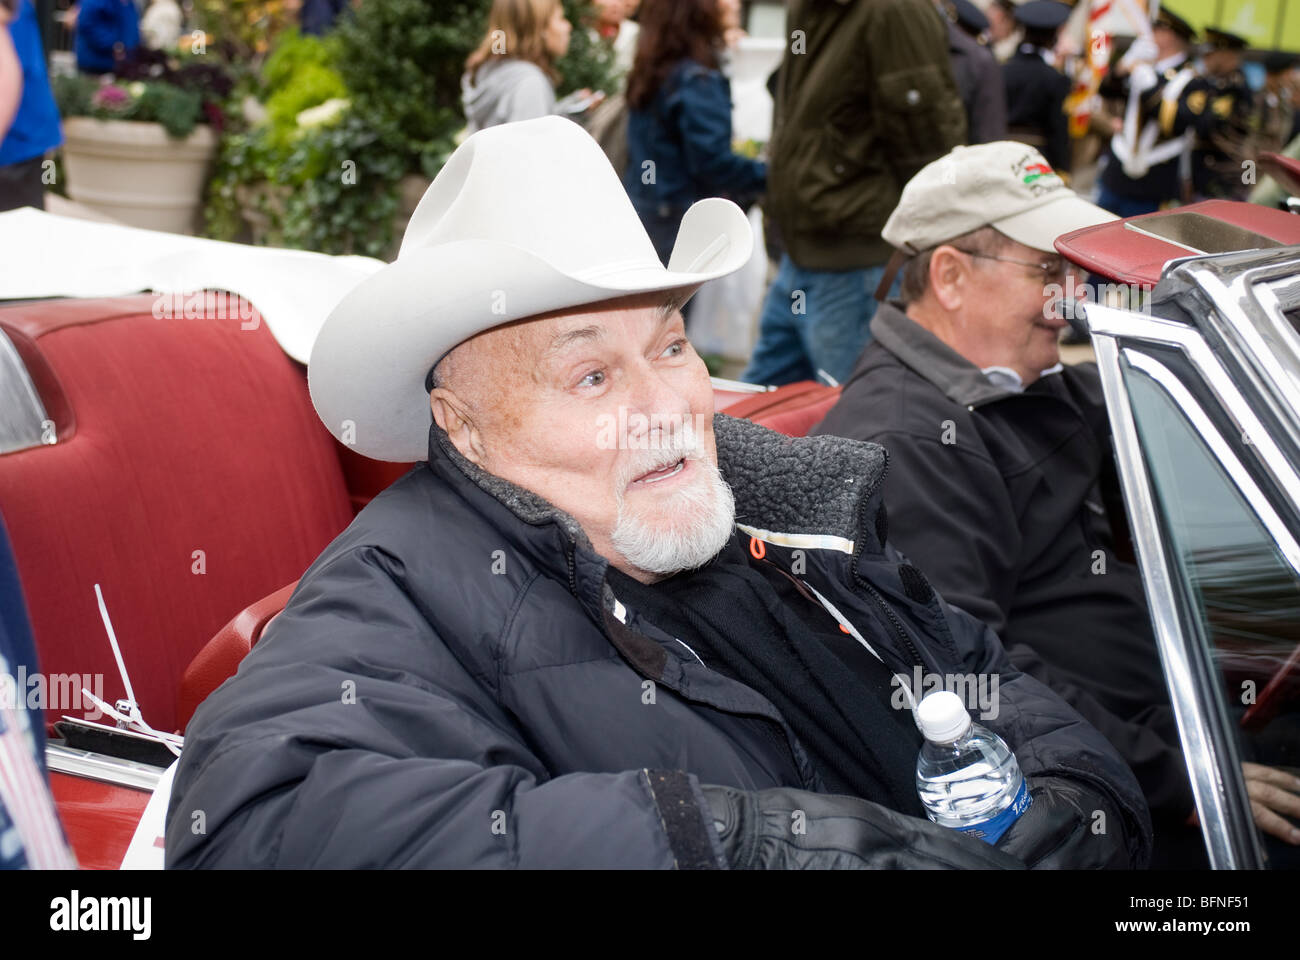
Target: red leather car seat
[[798, 421], [220, 657], [792, 409], [190, 474]]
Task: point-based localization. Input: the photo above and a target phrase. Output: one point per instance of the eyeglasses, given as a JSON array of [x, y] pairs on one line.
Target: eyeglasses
[[1056, 268]]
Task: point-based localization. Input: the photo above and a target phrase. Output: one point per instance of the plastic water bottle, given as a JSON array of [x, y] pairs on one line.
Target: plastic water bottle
[[967, 776]]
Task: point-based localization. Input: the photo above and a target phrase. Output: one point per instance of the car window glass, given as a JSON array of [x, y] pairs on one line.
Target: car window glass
[[1245, 593]]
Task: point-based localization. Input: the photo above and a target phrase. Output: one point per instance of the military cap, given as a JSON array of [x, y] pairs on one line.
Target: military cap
[[967, 16], [1172, 21], [1042, 14], [1223, 40]]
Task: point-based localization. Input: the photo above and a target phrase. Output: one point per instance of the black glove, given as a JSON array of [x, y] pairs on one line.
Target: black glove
[[782, 829], [1057, 831]]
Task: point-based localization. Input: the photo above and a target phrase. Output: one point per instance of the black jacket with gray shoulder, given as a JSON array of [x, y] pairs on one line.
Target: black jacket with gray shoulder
[[454, 684], [1006, 500]]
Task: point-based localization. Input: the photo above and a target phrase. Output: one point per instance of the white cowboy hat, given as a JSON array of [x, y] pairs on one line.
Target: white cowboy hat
[[525, 218]]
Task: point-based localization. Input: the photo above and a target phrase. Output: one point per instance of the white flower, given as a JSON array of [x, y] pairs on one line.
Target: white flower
[[136, 88], [323, 114]]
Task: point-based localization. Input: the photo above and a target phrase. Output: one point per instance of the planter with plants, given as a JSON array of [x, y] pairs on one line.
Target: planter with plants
[[138, 146]]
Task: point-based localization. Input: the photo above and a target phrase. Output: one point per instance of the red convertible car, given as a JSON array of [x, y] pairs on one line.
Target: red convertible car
[[165, 480]]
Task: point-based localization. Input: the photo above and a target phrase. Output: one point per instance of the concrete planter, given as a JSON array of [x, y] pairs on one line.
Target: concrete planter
[[135, 173]]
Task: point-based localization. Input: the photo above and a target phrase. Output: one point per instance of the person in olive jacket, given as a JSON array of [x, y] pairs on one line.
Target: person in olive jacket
[[865, 97]]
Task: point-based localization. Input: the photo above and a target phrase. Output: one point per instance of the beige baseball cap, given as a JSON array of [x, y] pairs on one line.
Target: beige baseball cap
[[1005, 185]]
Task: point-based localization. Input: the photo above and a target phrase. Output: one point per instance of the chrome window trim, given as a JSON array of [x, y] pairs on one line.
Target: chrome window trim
[[1194, 722], [1209, 433], [1281, 340], [100, 766], [1121, 323], [1253, 326], [24, 425]]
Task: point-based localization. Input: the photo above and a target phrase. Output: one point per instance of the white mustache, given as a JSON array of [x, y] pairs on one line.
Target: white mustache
[[677, 445]]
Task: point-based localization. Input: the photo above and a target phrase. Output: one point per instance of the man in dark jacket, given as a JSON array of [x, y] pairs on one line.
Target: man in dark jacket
[[865, 97], [976, 71], [1036, 90], [1002, 483], [552, 644]]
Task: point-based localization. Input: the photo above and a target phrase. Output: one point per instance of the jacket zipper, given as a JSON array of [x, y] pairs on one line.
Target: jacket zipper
[[897, 625], [899, 630], [568, 557]]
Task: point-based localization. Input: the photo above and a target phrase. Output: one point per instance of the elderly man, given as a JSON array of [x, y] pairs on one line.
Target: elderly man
[[1002, 485], [599, 627]]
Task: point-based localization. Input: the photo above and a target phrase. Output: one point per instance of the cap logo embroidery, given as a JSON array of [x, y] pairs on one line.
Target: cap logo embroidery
[[1036, 170], [1036, 175]]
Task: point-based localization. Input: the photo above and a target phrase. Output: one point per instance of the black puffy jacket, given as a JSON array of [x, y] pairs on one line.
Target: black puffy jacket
[[1005, 500], [453, 683]]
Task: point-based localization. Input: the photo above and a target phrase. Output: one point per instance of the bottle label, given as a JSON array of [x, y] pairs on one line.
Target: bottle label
[[991, 830]]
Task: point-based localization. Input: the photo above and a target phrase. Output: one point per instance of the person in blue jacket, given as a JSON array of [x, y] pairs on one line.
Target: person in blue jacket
[[103, 25], [679, 119], [29, 120], [319, 17]]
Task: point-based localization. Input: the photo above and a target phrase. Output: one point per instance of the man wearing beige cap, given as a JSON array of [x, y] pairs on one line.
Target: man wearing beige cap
[[595, 625], [1001, 483]]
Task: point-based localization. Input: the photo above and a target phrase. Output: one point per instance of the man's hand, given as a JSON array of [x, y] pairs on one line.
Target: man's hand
[[785, 829], [1272, 793], [1062, 829]]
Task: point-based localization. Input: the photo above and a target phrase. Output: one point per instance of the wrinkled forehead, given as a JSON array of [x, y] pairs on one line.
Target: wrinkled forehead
[[538, 341]]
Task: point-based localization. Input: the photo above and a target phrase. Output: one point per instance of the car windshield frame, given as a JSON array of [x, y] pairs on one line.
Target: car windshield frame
[[1244, 357]]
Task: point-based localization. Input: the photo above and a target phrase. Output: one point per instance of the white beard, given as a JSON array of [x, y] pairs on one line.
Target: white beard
[[689, 528]]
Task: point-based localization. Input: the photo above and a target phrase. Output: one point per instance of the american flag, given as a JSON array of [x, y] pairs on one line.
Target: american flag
[[30, 834]]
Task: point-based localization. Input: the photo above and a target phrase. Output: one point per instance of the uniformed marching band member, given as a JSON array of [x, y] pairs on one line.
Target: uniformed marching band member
[[1218, 106], [1036, 90], [969, 18], [1004, 32], [977, 73], [1276, 107], [1148, 156]]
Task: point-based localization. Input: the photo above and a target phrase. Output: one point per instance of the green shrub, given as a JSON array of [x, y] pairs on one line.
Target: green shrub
[[399, 63], [292, 52], [309, 85]]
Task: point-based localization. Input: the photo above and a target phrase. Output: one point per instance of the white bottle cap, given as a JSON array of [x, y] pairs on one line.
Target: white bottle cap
[[942, 717]]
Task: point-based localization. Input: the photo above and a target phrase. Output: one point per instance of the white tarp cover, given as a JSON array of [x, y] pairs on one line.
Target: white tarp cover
[[45, 255]]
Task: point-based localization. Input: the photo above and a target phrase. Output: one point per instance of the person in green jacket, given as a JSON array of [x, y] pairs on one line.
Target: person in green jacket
[[865, 98]]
